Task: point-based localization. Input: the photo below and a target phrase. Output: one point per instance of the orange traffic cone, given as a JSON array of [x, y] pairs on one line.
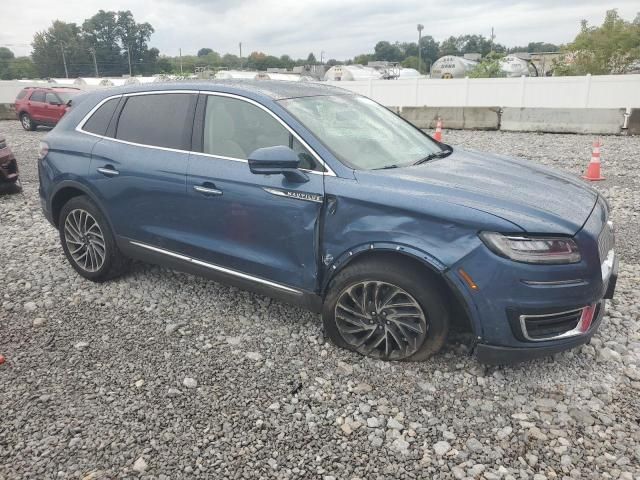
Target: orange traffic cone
[[593, 171], [438, 134]]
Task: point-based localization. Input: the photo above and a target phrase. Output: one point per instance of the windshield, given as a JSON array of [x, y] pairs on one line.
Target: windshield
[[66, 96], [360, 133]]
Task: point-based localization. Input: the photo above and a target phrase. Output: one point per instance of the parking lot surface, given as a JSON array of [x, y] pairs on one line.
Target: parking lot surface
[[164, 375]]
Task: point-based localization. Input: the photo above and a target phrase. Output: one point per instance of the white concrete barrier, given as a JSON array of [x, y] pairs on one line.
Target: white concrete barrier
[[603, 121]]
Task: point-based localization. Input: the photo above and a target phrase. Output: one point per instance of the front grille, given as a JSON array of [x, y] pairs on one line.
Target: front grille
[[540, 327], [606, 241]]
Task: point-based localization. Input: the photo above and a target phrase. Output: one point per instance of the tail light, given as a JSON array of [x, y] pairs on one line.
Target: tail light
[[44, 150]]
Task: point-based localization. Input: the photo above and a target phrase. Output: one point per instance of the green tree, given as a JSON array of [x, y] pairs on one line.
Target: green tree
[[49, 44], [204, 51], [6, 59], [385, 51], [489, 67], [536, 47], [134, 37], [22, 67], [230, 61], [102, 33], [286, 61], [450, 46], [608, 49], [311, 59], [364, 58], [411, 62]]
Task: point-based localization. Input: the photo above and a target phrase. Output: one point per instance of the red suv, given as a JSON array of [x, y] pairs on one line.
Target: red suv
[[43, 105]]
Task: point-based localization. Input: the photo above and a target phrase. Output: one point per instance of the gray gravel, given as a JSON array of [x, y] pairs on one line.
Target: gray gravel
[[165, 375]]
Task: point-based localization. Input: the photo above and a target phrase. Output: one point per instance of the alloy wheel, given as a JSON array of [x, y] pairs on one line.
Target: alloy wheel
[[26, 122], [84, 240], [380, 320]]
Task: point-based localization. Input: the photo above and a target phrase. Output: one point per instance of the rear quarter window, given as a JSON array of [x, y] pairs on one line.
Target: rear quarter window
[[160, 120], [99, 121], [22, 94]]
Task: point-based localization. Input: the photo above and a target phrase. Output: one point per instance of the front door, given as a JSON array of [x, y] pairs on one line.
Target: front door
[[263, 226], [140, 174], [53, 108]]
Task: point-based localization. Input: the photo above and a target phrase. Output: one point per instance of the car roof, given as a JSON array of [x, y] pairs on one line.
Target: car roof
[[273, 89], [53, 88]]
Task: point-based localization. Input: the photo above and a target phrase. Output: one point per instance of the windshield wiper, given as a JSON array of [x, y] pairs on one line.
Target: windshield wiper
[[387, 167], [431, 156]]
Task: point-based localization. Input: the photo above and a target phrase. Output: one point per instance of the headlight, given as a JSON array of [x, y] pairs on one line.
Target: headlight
[[547, 250]]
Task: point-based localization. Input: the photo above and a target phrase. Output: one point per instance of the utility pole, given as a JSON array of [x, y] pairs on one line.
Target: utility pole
[[64, 61], [492, 37], [322, 57], [240, 45], [181, 61], [129, 57], [420, 27], [95, 63]]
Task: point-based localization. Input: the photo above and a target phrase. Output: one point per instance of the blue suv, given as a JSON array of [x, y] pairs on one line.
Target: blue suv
[[323, 198]]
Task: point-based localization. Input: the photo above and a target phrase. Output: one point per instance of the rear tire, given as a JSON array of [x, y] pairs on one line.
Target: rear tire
[[387, 309], [27, 122], [88, 242]]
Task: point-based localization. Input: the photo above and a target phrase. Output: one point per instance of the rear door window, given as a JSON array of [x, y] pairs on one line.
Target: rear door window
[[22, 94], [99, 121], [37, 96], [159, 120]]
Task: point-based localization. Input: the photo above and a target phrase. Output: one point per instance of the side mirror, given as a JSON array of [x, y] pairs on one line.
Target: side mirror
[[277, 160]]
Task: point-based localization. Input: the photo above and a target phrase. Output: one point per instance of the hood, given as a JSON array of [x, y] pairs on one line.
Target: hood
[[533, 197]]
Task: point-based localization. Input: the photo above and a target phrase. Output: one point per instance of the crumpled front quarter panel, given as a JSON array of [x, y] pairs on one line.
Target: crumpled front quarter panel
[[365, 216]]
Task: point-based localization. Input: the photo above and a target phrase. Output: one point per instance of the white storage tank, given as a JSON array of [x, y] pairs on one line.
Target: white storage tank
[[351, 72], [451, 66], [63, 81], [409, 73], [514, 66]]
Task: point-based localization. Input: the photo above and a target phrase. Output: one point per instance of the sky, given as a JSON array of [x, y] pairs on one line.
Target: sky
[[339, 28]]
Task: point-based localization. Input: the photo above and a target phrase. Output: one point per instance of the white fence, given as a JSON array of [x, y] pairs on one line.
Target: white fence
[[605, 91]]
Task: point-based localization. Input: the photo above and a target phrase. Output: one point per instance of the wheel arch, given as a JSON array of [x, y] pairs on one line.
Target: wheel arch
[[64, 192], [430, 265]]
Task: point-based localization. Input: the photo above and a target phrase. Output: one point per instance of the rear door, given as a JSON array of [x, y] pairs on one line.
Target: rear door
[[264, 226], [36, 104], [139, 169]]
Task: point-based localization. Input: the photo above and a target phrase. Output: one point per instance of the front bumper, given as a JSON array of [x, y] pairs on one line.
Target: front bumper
[[500, 355], [519, 312]]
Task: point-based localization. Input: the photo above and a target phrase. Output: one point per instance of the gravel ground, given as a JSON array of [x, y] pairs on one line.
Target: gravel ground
[[164, 375]]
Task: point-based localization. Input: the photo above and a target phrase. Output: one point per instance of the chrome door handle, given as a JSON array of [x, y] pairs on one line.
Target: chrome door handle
[[207, 190], [109, 172]]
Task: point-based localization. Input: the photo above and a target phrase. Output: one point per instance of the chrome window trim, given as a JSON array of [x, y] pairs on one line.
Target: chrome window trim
[[85, 119], [552, 283], [577, 330], [218, 268], [329, 171]]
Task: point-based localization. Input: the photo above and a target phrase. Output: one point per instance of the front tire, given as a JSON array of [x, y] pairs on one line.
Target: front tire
[[88, 242], [27, 122], [386, 308]]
